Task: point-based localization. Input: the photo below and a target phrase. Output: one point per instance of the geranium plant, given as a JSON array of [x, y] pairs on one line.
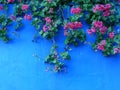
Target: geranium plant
[[104, 18], [72, 28], [48, 16]]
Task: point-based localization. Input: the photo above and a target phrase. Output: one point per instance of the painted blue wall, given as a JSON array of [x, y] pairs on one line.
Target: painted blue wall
[[88, 70]]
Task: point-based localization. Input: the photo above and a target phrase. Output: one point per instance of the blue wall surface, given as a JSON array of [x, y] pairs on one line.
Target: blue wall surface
[[88, 70]]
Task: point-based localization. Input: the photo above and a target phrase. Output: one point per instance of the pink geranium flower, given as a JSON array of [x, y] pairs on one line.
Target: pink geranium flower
[[108, 6], [116, 50], [28, 17], [98, 24], [25, 7], [96, 8], [73, 25], [48, 19], [92, 30], [89, 31], [45, 28], [103, 29], [76, 10], [111, 35], [106, 13], [104, 9], [101, 7], [100, 47]]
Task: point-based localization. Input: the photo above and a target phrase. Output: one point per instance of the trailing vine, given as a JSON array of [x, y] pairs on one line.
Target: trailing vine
[[4, 22]]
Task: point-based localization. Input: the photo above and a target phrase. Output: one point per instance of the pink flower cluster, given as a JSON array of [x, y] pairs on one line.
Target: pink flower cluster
[[27, 17], [73, 25], [116, 50], [97, 25], [46, 28], [48, 19], [101, 45], [10, 1], [76, 10], [103, 8], [25, 7], [92, 30], [1, 7], [111, 35]]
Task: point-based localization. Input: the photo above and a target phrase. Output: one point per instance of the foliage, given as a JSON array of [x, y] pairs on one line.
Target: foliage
[[48, 16]]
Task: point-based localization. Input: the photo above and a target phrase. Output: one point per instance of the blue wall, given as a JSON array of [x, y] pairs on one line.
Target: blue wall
[[88, 70]]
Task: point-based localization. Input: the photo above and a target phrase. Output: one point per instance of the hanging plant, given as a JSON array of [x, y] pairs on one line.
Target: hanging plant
[[72, 28], [47, 17], [103, 20], [4, 22]]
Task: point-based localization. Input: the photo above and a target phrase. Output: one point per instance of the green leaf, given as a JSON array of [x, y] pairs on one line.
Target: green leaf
[[117, 39], [65, 56]]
